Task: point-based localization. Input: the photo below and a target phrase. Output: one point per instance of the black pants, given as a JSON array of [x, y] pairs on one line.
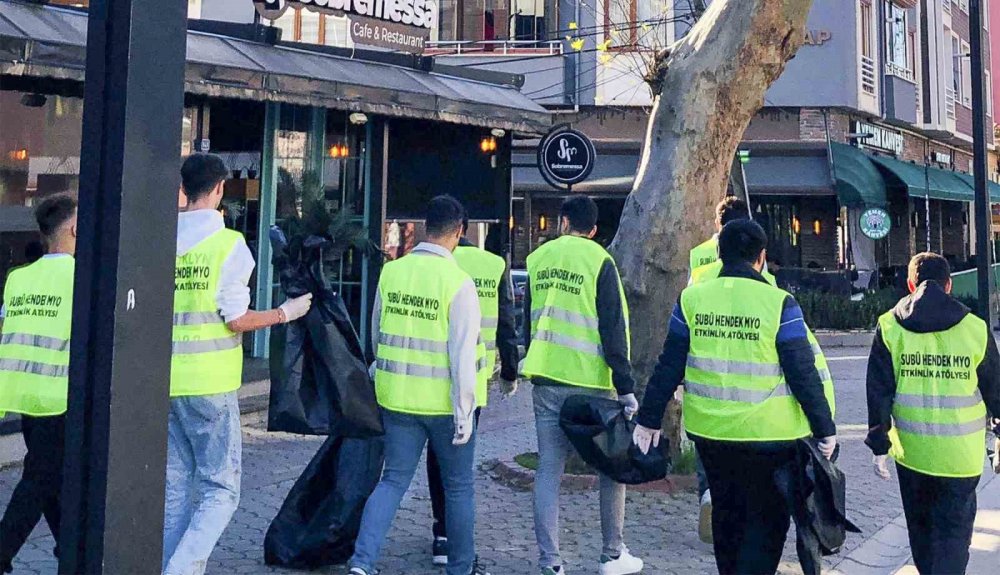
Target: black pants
[[436, 487], [750, 516], [37, 493], [940, 513]]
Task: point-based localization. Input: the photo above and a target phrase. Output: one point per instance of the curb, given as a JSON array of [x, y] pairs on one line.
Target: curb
[[511, 474], [834, 339]]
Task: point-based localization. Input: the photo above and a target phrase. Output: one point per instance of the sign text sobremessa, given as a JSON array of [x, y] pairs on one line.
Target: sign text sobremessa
[[416, 13]]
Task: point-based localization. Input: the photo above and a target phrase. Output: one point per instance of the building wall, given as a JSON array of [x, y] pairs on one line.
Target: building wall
[[821, 248]]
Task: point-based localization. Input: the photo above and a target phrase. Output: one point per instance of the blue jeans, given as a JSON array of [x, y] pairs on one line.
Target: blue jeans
[[405, 438], [203, 478]]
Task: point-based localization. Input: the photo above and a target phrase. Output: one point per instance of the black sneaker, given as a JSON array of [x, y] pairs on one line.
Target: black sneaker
[[439, 551], [478, 569]]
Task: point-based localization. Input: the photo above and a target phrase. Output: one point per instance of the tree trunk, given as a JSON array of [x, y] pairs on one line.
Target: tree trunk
[[710, 84]]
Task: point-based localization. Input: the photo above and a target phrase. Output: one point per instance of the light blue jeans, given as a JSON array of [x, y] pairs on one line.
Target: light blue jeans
[[405, 438], [204, 450]]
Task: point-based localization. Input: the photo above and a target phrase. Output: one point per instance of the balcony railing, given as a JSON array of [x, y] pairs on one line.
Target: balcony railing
[[494, 47], [949, 103], [868, 75], [899, 71]]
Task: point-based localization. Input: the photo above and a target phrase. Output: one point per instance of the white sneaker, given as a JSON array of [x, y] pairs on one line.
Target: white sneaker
[[624, 564], [705, 519]]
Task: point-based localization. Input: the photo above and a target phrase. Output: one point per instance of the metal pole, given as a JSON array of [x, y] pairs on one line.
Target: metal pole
[[977, 46], [927, 199], [116, 428]]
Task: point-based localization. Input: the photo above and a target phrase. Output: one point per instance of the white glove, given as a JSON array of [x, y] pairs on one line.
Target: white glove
[[827, 445], [643, 437], [629, 404], [508, 388], [881, 463], [295, 308], [463, 433]]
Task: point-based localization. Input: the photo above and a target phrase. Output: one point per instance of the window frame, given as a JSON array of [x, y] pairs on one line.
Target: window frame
[[965, 65], [904, 70]]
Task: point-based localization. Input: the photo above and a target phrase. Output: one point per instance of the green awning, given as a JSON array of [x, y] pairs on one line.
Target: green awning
[[920, 181], [858, 183], [993, 187]]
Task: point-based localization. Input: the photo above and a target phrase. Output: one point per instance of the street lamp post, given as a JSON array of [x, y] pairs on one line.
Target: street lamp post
[[116, 428], [977, 45]]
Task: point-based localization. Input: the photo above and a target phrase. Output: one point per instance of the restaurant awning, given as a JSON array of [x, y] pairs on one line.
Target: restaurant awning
[[924, 181], [993, 187], [807, 175], [612, 174], [47, 42], [858, 182]]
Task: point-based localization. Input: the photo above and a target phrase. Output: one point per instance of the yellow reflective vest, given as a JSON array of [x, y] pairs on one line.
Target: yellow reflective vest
[[565, 341], [412, 367], [712, 270], [207, 356], [486, 270], [938, 414], [734, 386], [34, 345]]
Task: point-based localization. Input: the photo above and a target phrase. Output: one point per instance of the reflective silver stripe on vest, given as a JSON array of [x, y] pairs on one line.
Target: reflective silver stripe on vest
[[412, 343], [34, 367], [482, 363], [825, 375], [938, 401], [734, 367], [577, 319], [491, 346], [197, 318], [412, 369], [941, 429], [490, 323], [40, 341], [734, 393], [580, 345], [207, 345], [816, 349]]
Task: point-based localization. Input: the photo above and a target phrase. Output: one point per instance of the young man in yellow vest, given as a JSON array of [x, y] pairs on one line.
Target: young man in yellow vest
[[36, 319], [933, 374], [499, 335], [740, 347], [211, 311], [428, 354], [576, 334]]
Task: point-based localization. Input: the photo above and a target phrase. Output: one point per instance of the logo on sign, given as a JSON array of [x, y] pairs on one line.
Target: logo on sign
[[875, 223], [566, 157]]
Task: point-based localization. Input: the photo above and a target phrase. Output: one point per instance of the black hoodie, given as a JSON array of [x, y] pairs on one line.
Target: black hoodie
[[929, 309]]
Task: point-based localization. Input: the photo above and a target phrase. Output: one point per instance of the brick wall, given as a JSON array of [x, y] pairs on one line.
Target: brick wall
[[812, 126], [954, 230], [902, 235]]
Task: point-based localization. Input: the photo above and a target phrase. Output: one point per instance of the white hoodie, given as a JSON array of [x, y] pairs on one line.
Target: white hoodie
[[233, 298]]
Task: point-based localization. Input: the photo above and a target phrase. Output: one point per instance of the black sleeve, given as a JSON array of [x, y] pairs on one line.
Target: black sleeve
[[668, 374], [881, 391], [526, 313], [798, 363], [613, 328], [989, 376], [507, 329]]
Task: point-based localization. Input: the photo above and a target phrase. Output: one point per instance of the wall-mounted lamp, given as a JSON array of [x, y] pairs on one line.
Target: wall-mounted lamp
[[339, 151], [796, 225], [543, 223], [358, 118], [510, 223], [18, 155], [817, 227], [488, 144], [498, 132]]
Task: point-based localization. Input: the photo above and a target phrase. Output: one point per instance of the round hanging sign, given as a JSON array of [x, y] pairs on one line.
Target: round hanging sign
[[566, 157], [875, 223]]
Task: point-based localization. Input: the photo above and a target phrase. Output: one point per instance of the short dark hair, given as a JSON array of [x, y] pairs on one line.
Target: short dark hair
[[741, 241], [53, 212], [445, 214], [731, 209], [581, 212], [928, 266], [200, 173]]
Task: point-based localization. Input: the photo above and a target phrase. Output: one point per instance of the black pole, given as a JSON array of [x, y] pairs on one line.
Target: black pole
[[112, 514], [983, 219]]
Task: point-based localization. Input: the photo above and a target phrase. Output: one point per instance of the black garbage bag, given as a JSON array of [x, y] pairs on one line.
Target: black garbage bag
[[319, 378], [321, 516], [601, 433]]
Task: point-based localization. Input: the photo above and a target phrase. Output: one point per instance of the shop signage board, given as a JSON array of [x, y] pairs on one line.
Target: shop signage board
[[882, 138], [875, 223], [566, 157], [403, 25]]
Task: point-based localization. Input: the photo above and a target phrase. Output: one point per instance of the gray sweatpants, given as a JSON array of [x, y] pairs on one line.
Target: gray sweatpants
[[553, 448]]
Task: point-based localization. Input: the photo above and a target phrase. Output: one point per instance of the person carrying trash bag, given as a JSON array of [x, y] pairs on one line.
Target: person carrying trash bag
[[577, 341], [740, 347], [425, 331], [933, 374]]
